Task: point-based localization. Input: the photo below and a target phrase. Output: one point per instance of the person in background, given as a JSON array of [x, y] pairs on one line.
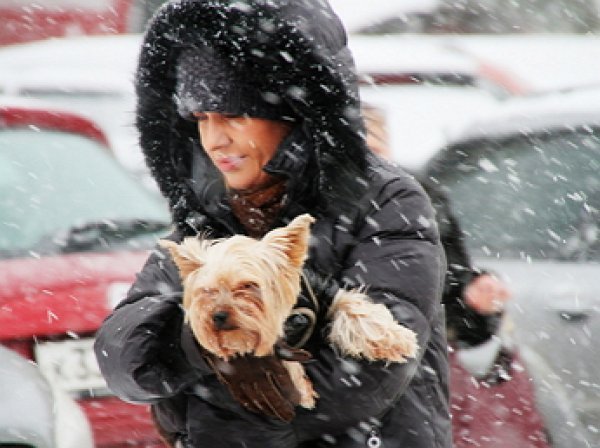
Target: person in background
[[249, 116], [491, 394], [474, 299]]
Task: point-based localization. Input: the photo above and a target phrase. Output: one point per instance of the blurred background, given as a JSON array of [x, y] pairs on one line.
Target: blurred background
[[496, 102]]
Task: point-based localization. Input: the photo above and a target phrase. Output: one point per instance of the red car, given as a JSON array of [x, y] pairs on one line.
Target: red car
[[74, 230], [22, 23]]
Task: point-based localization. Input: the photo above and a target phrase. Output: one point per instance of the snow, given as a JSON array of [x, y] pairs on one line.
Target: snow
[[357, 13], [420, 120], [83, 74], [535, 63], [390, 54], [534, 113], [542, 62], [539, 61]]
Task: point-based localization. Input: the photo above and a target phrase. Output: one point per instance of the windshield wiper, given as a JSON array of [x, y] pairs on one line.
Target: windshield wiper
[[105, 233]]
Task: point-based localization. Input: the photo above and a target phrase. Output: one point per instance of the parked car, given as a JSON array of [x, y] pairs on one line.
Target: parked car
[[33, 412], [469, 16], [524, 184], [358, 15], [424, 92], [420, 60], [85, 75], [540, 62], [24, 21], [537, 43], [421, 119], [74, 230], [425, 88]]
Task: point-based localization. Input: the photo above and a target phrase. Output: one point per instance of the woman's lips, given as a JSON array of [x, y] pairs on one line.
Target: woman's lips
[[229, 163]]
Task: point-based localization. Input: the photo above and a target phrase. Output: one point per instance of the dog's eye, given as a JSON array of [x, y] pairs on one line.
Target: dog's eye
[[247, 286]]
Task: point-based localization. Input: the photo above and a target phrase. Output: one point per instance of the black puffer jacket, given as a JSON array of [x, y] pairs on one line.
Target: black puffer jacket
[[375, 227]]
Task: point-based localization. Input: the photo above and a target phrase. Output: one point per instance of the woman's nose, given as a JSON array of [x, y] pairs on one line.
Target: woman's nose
[[213, 134]]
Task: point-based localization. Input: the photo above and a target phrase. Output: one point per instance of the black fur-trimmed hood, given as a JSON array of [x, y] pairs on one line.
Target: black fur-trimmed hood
[[294, 50]]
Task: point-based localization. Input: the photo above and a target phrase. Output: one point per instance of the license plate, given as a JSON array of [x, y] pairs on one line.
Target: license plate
[[72, 366]]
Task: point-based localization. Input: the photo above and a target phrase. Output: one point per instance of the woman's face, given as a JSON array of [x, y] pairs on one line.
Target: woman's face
[[240, 146]]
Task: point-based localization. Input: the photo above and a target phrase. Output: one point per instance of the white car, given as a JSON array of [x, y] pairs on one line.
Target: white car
[[425, 92], [35, 413], [358, 14], [542, 45], [524, 185], [469, 16], [420, 120], [538, 62]]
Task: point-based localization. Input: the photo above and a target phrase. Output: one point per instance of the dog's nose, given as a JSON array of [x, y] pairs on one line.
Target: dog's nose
[[220, 318]]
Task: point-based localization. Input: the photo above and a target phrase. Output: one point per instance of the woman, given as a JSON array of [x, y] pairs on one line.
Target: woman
[[249, 116]]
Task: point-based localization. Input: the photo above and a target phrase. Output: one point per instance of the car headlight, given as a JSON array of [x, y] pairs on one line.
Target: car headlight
[[36, 413], [72, 428]]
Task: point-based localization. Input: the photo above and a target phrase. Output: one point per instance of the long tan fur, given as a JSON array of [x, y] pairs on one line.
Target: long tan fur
[[239, 291]]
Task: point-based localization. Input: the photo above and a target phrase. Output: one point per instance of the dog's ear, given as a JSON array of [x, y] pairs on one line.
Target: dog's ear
[[184, 255], [292, 239]]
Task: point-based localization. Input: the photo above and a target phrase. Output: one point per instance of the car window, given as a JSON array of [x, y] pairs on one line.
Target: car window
[[51, 181], [530, 197]]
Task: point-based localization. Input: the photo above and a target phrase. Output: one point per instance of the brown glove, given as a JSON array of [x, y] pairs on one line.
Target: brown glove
[[262, 385]]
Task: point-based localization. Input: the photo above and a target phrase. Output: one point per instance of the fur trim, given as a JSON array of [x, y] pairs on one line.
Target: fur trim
[[285, 48]]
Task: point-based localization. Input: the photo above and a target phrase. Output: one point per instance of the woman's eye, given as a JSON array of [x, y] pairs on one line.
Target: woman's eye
[[236, 120]]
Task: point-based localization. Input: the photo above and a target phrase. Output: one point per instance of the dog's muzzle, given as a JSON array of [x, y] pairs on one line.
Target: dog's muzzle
[[221, 321]]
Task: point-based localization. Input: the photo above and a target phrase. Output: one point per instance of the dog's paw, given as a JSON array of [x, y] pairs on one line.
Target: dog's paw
[[397, 344], [308, 395], [362, 329]]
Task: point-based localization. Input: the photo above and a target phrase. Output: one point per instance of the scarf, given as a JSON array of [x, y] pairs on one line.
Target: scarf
[[258, 209]]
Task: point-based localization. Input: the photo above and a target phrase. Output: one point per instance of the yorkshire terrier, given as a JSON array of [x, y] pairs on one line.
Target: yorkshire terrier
[[239, 291]]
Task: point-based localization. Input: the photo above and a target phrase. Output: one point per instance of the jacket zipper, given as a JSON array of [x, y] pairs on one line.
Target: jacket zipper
[[374, 439]]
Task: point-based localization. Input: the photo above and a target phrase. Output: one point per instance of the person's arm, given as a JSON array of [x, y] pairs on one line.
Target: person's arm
[[397, 256], [138, 346], [146, 353], [474, 298]]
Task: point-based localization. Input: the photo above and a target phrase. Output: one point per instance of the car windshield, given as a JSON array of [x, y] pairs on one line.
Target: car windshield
[[53, 182], [534, 197]]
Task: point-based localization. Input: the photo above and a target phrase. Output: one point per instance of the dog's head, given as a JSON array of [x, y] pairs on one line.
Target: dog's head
[[238, 291]]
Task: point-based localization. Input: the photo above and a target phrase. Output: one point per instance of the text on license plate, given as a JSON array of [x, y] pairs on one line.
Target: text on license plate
[[71, 365]]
